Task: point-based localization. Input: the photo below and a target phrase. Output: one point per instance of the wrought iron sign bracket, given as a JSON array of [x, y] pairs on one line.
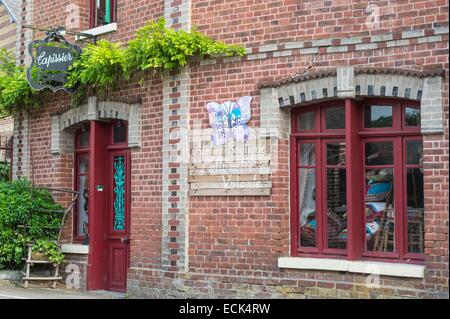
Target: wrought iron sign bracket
[[62, 31]]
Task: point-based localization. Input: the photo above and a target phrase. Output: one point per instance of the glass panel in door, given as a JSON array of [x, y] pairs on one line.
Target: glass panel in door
[[119, 193]]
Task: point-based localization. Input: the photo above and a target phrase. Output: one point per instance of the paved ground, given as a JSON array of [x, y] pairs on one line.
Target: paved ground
[[10, 290]]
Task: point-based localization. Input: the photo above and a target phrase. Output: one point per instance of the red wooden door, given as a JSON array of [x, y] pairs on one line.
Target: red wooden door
[[118, 213]]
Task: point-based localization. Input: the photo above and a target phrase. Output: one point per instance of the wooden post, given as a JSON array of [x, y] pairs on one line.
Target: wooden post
[[56, 275]]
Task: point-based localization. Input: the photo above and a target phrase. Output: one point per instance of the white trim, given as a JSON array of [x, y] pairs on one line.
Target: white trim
[[104, 29], [75, 249], [362, 267]]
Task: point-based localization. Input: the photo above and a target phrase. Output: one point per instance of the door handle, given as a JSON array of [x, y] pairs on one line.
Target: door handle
[[125, 240]]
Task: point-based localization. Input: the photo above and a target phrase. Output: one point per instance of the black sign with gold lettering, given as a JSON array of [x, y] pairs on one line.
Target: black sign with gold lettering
[[51, 58]]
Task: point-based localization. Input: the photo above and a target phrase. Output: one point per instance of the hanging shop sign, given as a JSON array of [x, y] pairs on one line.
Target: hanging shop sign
[[51, 58]]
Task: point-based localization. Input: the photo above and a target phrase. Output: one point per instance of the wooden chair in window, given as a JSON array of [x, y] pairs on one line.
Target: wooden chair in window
[[415, 222], [385, 236]]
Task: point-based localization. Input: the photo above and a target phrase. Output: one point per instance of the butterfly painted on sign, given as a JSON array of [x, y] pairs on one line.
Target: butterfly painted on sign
[[229, 120]]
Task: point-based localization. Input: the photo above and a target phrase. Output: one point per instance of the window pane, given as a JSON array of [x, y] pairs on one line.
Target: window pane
[[379, 153], [307, 207], [412, 116], [335, 117], [336, 208], [306, 121], [119, 133], [84, 139], [415, 199], [379, 200], [83, 199], [307, 154], [377, 116], [83, 164], [414, 152], [336, 154], [104, 11]]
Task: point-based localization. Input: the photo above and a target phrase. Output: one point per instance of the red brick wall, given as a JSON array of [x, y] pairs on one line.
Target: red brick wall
[[257, 23], [234, 242]]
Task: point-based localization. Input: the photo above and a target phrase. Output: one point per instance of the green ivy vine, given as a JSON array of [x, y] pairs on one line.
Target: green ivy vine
[[155, 48], [160, 48], [100, 65], [15, 92]]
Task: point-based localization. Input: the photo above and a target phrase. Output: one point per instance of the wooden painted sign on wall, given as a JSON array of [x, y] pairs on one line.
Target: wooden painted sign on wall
[[230, 159]]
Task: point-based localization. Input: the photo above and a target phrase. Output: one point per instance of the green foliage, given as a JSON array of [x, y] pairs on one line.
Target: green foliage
[[15, 92], [8, 65], [99, 65], [49, 249], [155, 48], [21, 204]]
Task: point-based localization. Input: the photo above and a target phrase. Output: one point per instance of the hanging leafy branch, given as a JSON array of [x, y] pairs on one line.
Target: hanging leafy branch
[[155, 48], [99, 65], [15, 92]]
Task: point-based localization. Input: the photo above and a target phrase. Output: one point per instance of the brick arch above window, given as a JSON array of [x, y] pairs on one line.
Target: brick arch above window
[[65, 125], [350, 82]]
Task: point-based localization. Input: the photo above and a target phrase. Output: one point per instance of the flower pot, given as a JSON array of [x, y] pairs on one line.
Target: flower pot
[[36, 255]]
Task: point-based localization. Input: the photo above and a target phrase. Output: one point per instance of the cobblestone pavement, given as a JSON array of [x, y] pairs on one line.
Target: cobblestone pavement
[[10, 290]]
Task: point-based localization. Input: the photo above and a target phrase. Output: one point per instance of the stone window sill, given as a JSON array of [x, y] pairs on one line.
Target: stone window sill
[[75, 249], [362, 267], [104, 29]]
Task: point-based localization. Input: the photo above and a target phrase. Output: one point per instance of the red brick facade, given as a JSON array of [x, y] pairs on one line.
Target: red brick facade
[[232, 243]]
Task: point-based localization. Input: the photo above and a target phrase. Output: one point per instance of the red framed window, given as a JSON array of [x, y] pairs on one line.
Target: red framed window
[[103, 12], [80, 220], [357, 182]]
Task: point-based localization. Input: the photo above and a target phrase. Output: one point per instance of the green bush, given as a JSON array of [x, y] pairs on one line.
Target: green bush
[[21, 204]]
